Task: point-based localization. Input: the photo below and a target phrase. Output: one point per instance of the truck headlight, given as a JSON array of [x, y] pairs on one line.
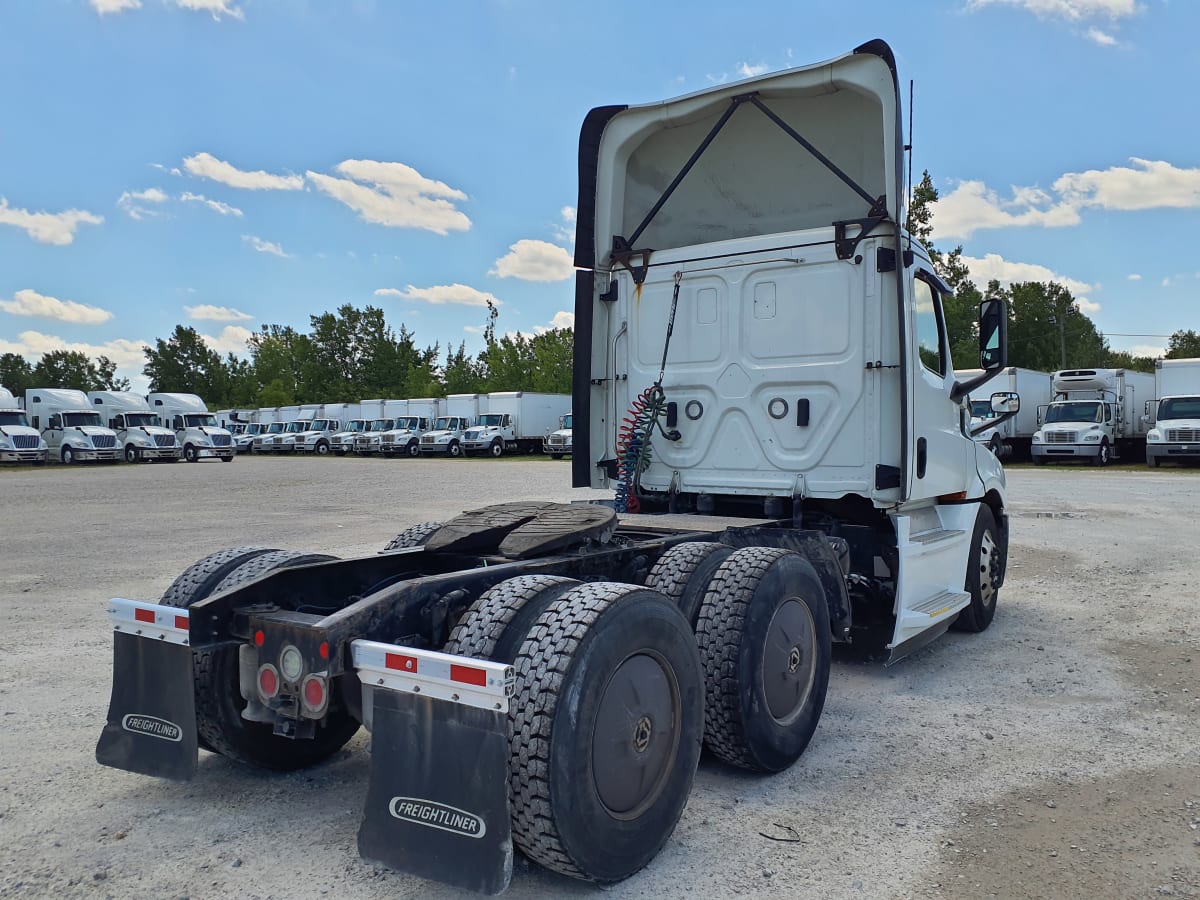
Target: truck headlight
[[1154, 436], [444, 439], [1091, 437], [4, 443], [1037, 437], [203, 441]]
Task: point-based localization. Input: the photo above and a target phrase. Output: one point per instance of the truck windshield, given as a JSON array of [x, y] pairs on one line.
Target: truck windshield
[[13, 418], [982, 409], [274, 428], [1076, 411], [253, 428], [444, 424], [407, 423], [1179, 408], [297, 427], [382, 425], [81, 418], [319, 425], [566, 422], [200, 420], [138, 420], [493, 420], [356, 425]]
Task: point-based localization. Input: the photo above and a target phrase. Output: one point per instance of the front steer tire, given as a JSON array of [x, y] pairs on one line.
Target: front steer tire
[[606, 722], [764, 639], [983, 574]]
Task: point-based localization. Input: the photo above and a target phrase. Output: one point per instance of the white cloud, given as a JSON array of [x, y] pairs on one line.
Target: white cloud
[[1134, 277], [1166, 282], [126, 354], [566, 231], [1147, 185], [263, 246], [131, 202], [562, 319], [1071, 10], [31, 303], [973, 206], [215, 205], [534, 261], [1152, 350], [474, 329], [210, 313], [108, 7], [232, 339], [746, 70], [217, 8], [1096, 36], [205, 165], [393, 194], [994, 266], [47, 228], [442, 295]]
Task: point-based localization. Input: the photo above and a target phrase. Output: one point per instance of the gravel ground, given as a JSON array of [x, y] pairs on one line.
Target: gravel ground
[[1055, 755]]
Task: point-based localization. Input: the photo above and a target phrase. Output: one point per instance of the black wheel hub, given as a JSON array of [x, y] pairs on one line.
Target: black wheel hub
[[789, 660]]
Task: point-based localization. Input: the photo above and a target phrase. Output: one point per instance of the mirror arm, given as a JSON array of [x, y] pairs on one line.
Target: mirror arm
[[962, 388], [992, 423]]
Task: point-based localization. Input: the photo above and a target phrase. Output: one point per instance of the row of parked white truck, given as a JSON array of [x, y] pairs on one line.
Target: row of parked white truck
[[70, 426], [1097, 415], [458, 425]]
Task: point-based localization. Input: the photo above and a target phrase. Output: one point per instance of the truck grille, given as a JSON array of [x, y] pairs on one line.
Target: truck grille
[[556, 440], [164, 440], [25, 441], [104, 441], [1183, 434], [221, 440], [428, 441], [1061, 437]]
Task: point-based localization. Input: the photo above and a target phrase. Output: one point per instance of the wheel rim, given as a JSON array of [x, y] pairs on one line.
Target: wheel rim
[[130, 455], [989, 563], [1103, 453], [67, 455], [497, 448], [789, 666], [454, 450], [636, 736], [322, 449]]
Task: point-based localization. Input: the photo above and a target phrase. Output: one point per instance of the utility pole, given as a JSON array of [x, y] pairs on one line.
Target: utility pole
[[1061, 322]]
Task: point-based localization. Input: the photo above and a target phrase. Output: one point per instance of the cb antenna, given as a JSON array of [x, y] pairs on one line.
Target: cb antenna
[[908, 149]]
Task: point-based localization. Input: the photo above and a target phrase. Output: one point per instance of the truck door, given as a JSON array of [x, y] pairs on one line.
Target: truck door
[[941, 456]]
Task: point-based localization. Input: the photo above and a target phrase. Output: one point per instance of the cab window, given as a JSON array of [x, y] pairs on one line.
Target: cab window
[[928, 320]]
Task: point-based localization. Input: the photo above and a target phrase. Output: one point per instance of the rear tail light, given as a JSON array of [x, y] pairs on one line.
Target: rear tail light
[[314, 694], [268, 681]]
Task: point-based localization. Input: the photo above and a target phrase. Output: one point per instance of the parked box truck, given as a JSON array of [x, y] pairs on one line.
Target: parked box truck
[[405, 438], [1175, 412], [19, 441], [195, 427], [1011, 437], [139, 435], [558, 442], [1095, 416], [72, 430], [515, 422]]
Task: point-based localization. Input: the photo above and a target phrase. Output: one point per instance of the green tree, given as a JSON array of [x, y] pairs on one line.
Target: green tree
[[282, 358], [184, 363], [463, 374], [1184, 345], [16, 373], [73, 369]]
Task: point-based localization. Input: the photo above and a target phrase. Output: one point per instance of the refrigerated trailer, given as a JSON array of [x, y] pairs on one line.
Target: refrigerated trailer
[[1175, 412], [543, 675], [1095, 415]]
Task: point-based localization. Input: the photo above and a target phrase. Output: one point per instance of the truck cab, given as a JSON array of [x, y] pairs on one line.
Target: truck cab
[[72, 431], [269, 439], [195, 428], [316, 436], [370, 440], [244, 439], [1092, 416], [445, 437], [558, 443], [343, 441], [1176, 433], [19, 441], [491, 433], [405, 438], [140, 436]]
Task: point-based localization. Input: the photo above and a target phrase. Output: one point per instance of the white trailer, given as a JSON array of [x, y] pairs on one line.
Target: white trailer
[[1010, 437], [1175, 412], [72, 430], [1095, 415], [515, 422], [19, 441], [139, 435], [195, 427]]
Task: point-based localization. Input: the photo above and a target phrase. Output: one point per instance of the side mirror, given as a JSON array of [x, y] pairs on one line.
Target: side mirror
[[993, 335], [1006, 403]]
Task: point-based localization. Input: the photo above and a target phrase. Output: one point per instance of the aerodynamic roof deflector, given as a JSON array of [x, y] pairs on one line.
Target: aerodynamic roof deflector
[[624, 249]]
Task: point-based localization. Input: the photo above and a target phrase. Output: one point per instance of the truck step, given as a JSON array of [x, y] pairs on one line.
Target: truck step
[[935, 535], [941, 603]]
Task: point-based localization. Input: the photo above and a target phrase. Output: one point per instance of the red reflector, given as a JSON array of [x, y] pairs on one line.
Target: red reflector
[[324, 649], [181, 622], [268, 682], [259, 638], [468, 675], [144, 615], [314, 693], [403, 663]]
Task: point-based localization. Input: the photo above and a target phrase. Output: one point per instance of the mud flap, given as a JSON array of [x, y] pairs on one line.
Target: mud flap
[[152, 714], [437, 799]]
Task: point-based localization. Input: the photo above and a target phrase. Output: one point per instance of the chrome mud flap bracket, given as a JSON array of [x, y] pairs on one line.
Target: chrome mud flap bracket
[[437, 797], [151, 726]]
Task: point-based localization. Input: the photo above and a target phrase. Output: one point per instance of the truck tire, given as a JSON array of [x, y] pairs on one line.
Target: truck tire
[[496, 449], [454, 450], [322, 448], [606, 720], [190, 454], [983, 571], [497, 623], [413, 536], [1103, 456], [764, 639], [68, 456], [684, 573], [131, 454], [219, 701], [199, 579], [556, 456], [414, 448]]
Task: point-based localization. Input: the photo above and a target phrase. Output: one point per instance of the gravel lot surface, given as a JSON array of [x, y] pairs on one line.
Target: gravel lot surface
[[1055, 755]]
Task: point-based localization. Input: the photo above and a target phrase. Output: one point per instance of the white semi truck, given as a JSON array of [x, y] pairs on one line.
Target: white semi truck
[[1012, 437], [558, 442], [778, 354], [1175, 412], [139, 435], [19, 441], [515, 422], [73, 432], [1094, 416], [195, 427]]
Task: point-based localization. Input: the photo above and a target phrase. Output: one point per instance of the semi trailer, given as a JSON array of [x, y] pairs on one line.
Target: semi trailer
[[1175, 412], [1093, 416], [766, 360]]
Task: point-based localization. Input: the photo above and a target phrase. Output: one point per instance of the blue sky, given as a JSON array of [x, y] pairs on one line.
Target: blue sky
[[228, 163]]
